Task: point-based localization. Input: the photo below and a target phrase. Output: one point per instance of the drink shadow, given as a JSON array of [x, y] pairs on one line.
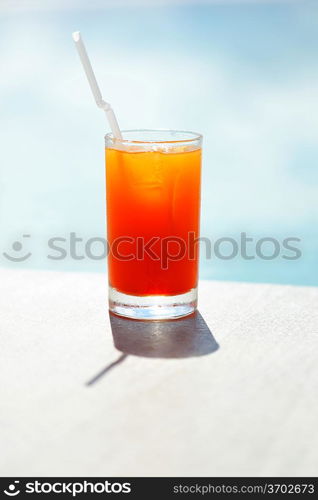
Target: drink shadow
[[180, 338]]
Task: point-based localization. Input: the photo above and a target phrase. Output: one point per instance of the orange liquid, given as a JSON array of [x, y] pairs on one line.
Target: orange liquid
[[153, 194]]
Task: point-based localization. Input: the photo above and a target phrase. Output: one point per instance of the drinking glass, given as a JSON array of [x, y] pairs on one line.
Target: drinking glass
[[153, 212]]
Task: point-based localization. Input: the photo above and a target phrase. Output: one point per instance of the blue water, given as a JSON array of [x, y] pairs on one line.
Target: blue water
[[245, 76]]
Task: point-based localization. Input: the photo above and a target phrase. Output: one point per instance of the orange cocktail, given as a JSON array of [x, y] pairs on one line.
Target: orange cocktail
[[153, 210]]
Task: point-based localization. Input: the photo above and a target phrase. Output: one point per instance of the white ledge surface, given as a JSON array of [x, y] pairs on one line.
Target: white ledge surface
[[249, 407]]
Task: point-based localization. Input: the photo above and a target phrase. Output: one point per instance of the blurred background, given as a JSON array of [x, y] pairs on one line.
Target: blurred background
[[243, 73]]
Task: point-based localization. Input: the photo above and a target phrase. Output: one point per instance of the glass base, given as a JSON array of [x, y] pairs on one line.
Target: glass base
[[152, 307]]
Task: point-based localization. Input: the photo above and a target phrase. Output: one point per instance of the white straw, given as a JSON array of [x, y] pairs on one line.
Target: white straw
[[94, 85]]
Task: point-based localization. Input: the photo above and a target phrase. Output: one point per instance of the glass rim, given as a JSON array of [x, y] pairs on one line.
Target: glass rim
[[195, 136]]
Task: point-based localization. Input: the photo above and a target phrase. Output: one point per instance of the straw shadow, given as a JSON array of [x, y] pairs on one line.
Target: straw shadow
[[182, 338], [106, 369]]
